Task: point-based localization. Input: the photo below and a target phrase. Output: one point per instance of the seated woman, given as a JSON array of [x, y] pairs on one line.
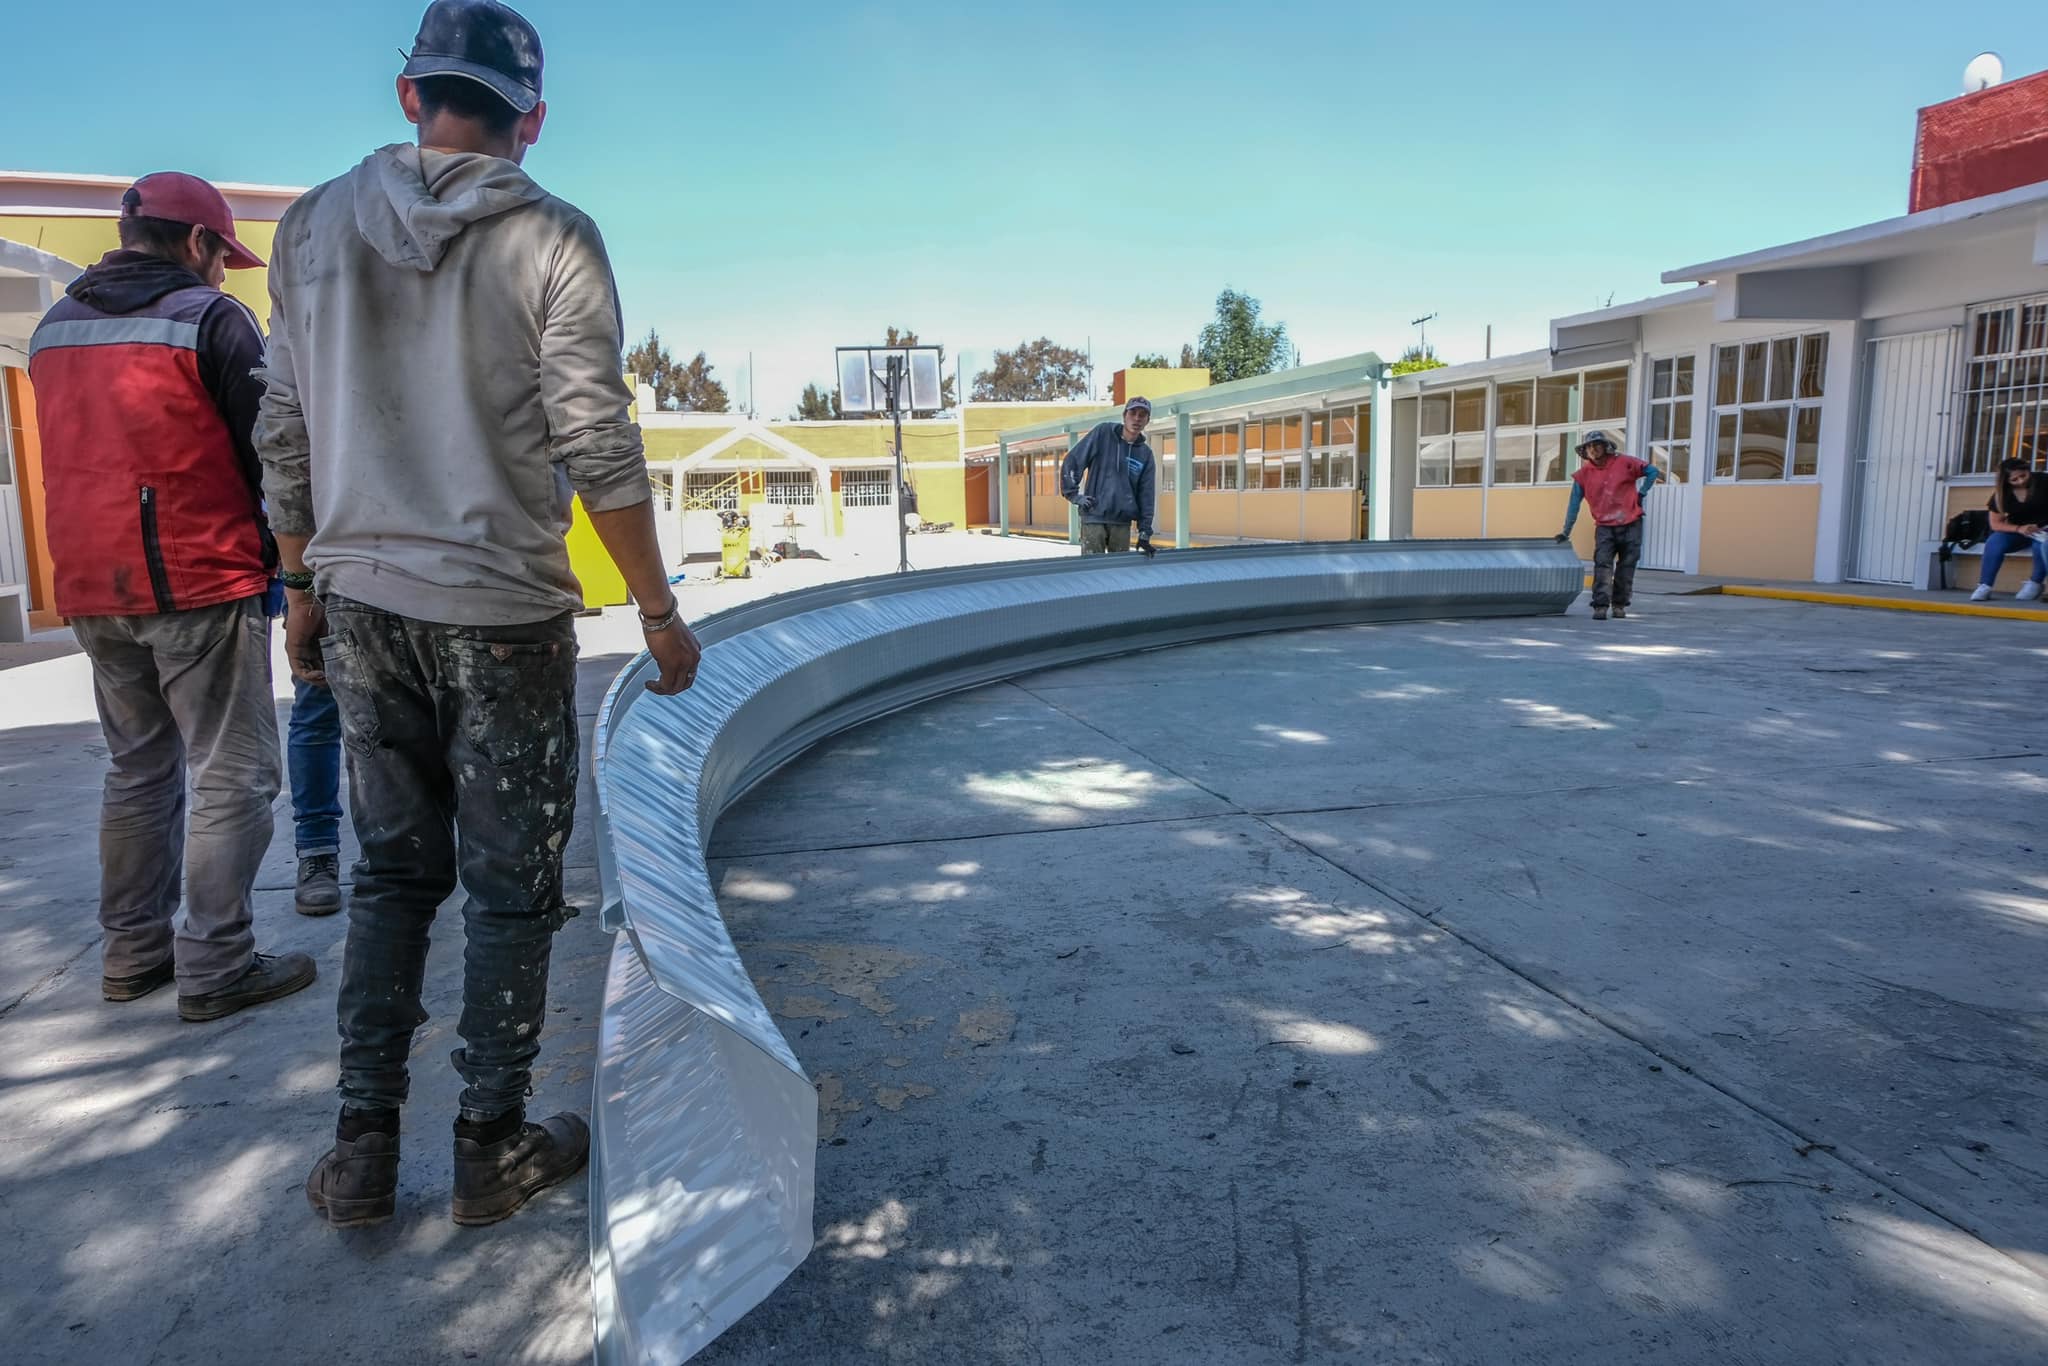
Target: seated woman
[[2019, 510]]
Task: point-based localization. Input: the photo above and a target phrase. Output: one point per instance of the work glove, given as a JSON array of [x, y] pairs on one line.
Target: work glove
[[1085, 502], [1145, 547], [1562, 537]]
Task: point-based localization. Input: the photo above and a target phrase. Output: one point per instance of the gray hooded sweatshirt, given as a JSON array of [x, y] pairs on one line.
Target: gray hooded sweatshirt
[[443, 370]]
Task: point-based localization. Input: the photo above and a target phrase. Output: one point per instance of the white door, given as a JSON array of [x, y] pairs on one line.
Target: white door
[[1671, 514], [1906, 429]]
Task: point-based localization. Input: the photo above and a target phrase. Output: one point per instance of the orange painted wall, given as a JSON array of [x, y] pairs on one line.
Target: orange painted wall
[[1448, 513], [28, 459], [1759, 531]]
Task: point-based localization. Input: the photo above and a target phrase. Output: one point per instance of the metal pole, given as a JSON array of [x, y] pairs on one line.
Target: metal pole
[[1183, 478], [1002, 486], [896, 413]]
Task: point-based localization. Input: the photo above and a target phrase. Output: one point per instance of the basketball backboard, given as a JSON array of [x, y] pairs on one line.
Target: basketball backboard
[[863, 379]]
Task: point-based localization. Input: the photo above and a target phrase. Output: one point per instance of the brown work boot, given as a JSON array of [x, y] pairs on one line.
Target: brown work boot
[[356, 1182], [494, 1180], [269, 977]]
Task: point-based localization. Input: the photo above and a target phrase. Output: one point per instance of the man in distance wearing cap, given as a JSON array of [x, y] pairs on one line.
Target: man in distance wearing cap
[[142, 375], [1109, 476], [1615, 485], [444, 370]]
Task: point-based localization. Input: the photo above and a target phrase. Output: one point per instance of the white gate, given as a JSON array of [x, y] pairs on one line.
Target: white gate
[[1906, 432], [868, 501], [1671, 514]]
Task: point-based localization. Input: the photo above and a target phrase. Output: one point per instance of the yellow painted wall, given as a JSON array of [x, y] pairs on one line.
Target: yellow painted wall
[[1212, 514], [1448, 513], [1332, 515], [981, 423], [85, 240], [1759, 531], [1158, 384], [603, 584], [941, 493]]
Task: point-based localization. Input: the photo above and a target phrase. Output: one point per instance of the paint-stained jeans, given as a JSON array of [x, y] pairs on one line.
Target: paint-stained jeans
[[183, 693], [1615, 552], [1100, 538], [462, 766]]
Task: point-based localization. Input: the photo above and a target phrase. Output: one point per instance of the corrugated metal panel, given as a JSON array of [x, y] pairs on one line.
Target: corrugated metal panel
[[705, 1125]]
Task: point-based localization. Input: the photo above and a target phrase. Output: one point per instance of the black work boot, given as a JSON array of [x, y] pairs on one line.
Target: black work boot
[[356, 1182], [268, 978], [495, 1176], [1620, 610], [319, 888], [137, 985]]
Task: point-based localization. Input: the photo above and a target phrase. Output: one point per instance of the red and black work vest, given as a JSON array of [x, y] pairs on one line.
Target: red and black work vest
[[149, 507]]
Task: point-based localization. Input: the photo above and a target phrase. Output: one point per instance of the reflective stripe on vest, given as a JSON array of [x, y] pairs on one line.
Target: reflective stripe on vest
[[115, 332]]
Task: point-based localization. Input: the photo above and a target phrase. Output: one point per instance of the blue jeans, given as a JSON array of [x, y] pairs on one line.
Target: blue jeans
[[2002, 543], [313, 752]]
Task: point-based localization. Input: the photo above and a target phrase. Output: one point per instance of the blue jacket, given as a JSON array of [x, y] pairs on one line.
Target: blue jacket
[[1110, 480]]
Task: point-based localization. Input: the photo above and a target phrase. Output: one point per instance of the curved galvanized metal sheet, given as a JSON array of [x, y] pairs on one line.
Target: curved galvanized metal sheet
[[705, 1126]]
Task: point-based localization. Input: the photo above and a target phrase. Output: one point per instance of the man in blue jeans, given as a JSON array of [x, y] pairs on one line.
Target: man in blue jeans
[[313, 753]]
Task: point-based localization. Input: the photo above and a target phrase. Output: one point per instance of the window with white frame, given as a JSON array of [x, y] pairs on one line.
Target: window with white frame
[[1767, 404], [864, 488], [2005, 386], [792, 489], [1538, 421], [1333, 449], [1163, 446], [1217, 451], [661, 486], [1273, 453], [1452, 438], [1670, 417]]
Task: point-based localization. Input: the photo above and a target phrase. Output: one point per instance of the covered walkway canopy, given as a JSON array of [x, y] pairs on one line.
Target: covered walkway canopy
[[1352, 379]]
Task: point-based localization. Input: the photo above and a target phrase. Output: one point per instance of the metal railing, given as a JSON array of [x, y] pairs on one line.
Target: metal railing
[[704, 1123]]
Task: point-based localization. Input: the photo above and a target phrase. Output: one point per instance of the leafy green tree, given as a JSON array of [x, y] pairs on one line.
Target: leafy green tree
[[1039, 370], [1237, 345], [651, 361], [1154, 361], [817, 405], [689, 388], [1418, 357]]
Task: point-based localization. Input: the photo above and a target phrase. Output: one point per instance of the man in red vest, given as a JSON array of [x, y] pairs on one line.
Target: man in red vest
[[143, 381]]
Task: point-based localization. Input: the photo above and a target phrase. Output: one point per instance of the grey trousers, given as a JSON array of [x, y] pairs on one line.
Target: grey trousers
[[183, 694]]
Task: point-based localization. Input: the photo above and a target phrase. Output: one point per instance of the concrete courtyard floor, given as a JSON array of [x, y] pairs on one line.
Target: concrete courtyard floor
[[1536, 990]]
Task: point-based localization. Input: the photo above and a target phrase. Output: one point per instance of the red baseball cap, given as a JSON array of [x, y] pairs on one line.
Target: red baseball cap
[[180, 198]]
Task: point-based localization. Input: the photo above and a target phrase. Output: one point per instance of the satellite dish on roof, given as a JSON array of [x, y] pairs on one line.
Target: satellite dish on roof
[[1984, 71]]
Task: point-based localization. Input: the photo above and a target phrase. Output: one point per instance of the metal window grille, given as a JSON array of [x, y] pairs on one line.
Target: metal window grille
[[2005, 386], [792, 489], [864, 488]]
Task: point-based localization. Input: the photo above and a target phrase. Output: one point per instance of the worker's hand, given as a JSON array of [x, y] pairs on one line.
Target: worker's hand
[[676, 650], [305, 621], [1562, 537], [1145, 547]]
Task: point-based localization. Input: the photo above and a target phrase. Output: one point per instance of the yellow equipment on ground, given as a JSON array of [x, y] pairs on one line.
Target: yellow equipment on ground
[[734, 545]]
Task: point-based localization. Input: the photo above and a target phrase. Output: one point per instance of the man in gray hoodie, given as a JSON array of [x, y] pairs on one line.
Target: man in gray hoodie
[[444, 370]]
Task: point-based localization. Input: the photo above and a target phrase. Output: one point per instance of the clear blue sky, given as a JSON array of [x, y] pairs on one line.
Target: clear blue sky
[[781, 178]]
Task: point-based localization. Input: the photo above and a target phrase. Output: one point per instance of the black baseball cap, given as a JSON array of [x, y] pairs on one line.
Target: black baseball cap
[[483, 41]]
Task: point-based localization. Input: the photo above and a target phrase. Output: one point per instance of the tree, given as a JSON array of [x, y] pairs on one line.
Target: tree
[[1237, 345], [1189, 360], [1421, 356], [1039, 370], [686, 387], [651, 361], [695, 390], [1155, 361], [816, 405]]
